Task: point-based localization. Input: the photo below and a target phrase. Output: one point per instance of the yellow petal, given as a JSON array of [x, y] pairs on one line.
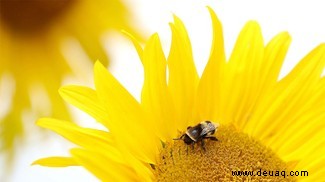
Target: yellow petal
[[85, 137], [242, 75], [85, 99], [136, 44], [56, 162], [311, 65], [289, 97], [183, 77], [311, 148], [92, 45], [155, 97], [11, 127], [295, 140], [102, 167], [275, 52], [132, 129], [59, 108], [315, 170], [313, 160], [305, 122], [105, 15], [209, 94]]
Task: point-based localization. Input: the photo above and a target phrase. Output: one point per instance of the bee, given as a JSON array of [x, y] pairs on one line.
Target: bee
[[199, 132]]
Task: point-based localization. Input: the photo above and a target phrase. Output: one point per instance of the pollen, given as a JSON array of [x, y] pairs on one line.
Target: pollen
[[222, 160]]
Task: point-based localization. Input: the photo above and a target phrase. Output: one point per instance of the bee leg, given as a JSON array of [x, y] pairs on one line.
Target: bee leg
[[213, 138], [180, 138], [192, 145], [186, 150], [203, 145]]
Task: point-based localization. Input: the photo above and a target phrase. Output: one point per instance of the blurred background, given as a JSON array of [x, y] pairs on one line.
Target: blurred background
[[35, 60]]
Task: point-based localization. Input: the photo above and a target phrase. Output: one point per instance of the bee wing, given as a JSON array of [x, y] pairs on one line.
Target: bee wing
[[207, 130]]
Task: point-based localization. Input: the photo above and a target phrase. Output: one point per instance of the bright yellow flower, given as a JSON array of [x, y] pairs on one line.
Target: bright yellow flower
[[265, 124], [31, 34]]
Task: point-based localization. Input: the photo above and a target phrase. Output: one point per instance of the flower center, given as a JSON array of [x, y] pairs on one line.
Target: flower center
[[31, 16], [235, 152]]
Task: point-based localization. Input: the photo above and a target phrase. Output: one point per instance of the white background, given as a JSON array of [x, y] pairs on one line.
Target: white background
[[304, 20]]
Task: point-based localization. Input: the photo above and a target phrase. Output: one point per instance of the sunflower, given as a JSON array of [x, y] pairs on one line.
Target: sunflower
[[267, 125], [31, 34]]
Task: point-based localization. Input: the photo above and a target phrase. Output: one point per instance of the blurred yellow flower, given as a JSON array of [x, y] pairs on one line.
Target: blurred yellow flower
[[265, 124], [31, 35]]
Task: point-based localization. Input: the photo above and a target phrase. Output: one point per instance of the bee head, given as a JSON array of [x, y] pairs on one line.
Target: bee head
[[187, 140]]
